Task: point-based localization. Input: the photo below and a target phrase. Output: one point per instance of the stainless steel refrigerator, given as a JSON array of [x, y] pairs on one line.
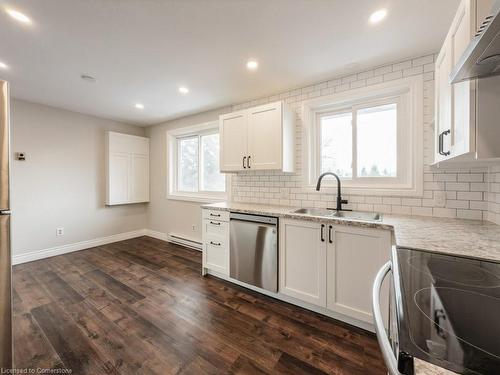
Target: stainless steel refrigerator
[[5, 254]]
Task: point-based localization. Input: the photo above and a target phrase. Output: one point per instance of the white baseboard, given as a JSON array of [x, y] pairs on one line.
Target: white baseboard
[[64, 249], [158, 235]]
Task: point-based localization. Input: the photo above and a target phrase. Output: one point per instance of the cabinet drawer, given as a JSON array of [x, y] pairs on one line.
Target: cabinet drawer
[[215, 215], [216, 254], [215, 228]]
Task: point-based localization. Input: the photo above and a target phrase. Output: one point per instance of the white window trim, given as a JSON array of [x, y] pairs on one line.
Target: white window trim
[[410, 152], [200, 196]]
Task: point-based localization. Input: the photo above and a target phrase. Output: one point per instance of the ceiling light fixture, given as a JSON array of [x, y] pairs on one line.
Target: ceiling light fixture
[[18, 16], [3, 65], [378, 15], [252, 64], [139, 105], [183, 90]]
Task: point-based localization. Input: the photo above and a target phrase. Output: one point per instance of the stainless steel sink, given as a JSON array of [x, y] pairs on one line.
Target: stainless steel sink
[[315, 211], [353, 215], [357, 215]]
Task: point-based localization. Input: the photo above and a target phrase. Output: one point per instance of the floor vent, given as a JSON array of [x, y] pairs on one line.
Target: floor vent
[[175, 238]]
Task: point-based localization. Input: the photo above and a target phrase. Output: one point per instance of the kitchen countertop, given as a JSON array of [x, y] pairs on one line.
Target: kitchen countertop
[[470, 238]]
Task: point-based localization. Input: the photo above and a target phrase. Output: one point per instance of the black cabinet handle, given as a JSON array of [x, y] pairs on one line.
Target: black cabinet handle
[[215, 243], [214, 223], [330, 236], [322, 232], [216, 215], [244, 157], [248, 162], [441, 143]]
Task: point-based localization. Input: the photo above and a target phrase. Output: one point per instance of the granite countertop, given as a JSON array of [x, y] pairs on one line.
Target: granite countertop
[[470, 238]]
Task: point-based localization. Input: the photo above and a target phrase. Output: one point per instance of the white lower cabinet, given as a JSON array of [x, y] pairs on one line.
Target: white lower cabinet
[[354, 256], [332, 266], [215, 234], [302, 261]]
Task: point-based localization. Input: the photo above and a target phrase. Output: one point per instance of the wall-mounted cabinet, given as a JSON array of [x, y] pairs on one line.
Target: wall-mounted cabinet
[[127, 169], [465, 113], [258, 138]]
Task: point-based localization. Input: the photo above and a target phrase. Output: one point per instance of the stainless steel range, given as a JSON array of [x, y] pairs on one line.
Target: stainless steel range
[[445, 310]]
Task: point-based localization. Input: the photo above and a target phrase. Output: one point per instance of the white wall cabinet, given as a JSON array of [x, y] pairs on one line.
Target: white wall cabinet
[[461, 119], [259, 138], [215, 234], [302, 261], [127, 168], [332, 266]]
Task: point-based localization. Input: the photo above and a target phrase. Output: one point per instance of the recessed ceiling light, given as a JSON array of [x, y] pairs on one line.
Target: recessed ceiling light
[[88, 78], [378, 15], [3, 65], [183, 90], [252, 64], [18, 16], [139, 105]]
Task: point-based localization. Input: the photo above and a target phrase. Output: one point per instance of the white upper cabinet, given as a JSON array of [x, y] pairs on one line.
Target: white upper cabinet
[[127, 169], [458, 122], [260, 138], [443, 102], [233, 141]]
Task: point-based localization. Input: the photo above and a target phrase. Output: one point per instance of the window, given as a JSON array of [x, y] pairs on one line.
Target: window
[[374, 153], [194, 164], [370, 137]]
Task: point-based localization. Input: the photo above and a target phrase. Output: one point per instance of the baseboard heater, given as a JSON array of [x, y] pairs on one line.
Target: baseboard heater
[[179, 240]]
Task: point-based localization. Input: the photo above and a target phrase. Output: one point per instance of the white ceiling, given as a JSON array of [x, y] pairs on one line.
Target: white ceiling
[[142, 50]]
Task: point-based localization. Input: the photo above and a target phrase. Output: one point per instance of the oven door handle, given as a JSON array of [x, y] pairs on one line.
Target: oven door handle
[[385, 346]]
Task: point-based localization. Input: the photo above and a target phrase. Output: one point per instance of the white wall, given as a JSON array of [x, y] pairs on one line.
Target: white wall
[[62, 182], [166, 215], [494, 194], [466, 188]]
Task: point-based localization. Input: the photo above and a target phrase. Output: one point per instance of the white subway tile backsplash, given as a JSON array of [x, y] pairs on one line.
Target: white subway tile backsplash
[[471, 193]]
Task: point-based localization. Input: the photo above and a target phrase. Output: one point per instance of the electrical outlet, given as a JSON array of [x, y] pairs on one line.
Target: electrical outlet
[[439, 198], [60, 231], [193, 228]]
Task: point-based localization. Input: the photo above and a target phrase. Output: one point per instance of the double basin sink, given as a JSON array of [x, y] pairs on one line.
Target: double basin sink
[[352, 215]]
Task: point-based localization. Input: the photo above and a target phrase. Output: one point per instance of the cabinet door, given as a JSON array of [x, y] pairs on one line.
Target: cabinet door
[[118, 175], [216, 255], [443, 99], [354, 256], [463, 95], [139, 184], [265, 136], [233, 141], [302, 263]]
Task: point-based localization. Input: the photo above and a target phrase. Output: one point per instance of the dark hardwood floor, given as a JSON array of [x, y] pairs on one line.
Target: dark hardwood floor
[[141, 307]]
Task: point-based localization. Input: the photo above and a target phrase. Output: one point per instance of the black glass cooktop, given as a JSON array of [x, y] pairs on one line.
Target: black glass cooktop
[[449, 310]]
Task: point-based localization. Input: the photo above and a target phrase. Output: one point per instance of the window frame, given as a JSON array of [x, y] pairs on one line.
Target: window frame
[[407, 93], [173, 138]]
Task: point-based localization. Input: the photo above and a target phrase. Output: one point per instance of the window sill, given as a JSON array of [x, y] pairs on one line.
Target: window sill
[[200, 198]]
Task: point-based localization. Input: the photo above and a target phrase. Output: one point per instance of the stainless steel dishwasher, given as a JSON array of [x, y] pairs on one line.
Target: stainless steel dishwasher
[[253, 249]]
